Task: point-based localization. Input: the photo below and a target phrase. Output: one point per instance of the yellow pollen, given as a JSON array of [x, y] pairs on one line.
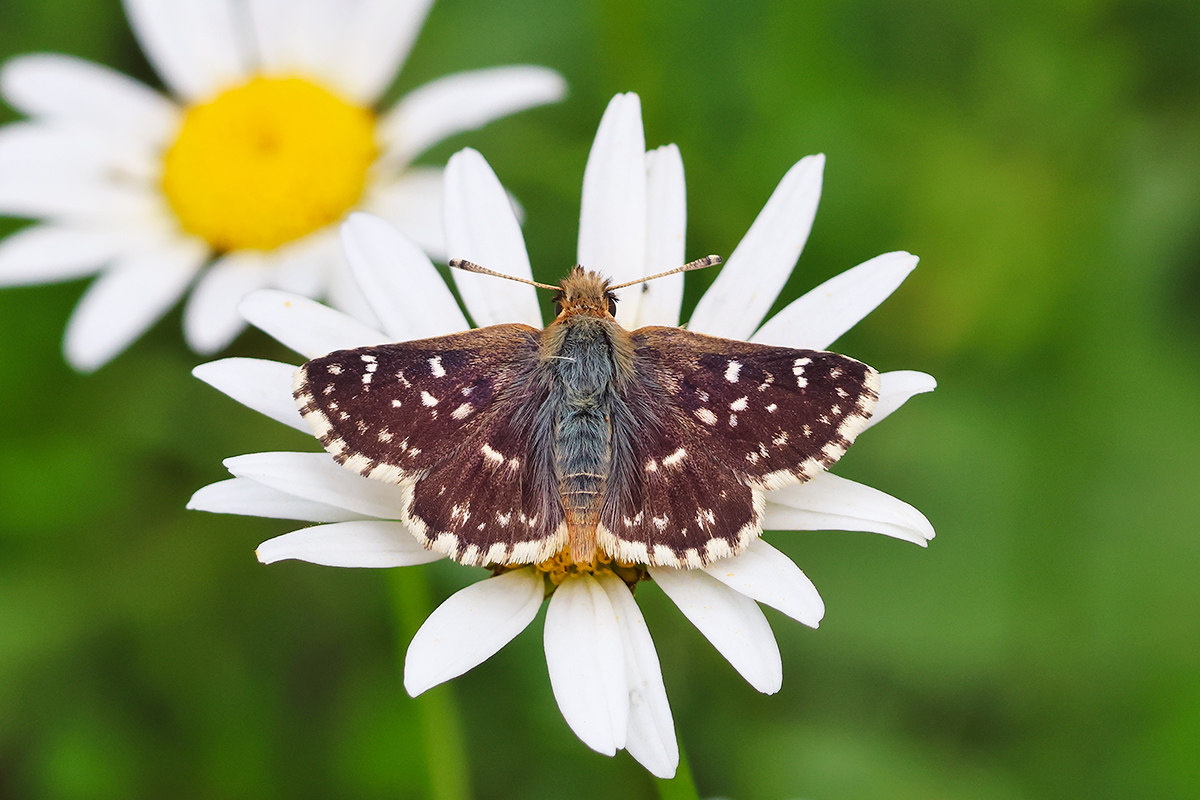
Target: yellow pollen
[[268, 162], [559, 567]]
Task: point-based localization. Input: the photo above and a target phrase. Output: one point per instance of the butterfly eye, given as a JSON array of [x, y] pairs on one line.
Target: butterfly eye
[[612, 306], [557, 308]]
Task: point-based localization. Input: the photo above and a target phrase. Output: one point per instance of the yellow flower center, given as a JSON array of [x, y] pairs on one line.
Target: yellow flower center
[[268, 162], [558, 568]]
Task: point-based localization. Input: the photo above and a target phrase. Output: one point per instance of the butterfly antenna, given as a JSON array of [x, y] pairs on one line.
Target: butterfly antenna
[[699, 263], [470, 266]]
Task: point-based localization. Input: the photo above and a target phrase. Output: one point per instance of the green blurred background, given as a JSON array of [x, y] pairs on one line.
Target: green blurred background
[[1044, 161]]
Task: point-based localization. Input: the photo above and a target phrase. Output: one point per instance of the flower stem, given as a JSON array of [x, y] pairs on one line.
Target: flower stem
[[441, 726], [681, 787]]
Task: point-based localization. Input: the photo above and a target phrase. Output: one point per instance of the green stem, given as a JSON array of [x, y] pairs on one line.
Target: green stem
[[441, 726], [681, 787]]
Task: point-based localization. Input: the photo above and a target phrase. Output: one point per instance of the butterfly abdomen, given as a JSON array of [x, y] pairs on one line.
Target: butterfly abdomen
[[582, 397]]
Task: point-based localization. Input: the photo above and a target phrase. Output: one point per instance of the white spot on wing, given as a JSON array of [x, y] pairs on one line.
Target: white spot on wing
[[491, 455], [731, 372], [798, 370], [435, 366], [706, 416], [428, 400], [462, 411], [741, 404], [674, 459]]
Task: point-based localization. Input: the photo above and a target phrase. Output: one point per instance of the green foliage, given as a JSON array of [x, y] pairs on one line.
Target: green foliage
[[1041, 158]]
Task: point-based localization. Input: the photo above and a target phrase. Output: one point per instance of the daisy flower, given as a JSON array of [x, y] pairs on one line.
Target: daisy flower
[[237, 180], [603, 666]]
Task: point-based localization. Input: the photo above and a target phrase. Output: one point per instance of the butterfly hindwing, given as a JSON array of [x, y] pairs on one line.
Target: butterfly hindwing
[[715, 422], [670, 504], [484, 504]]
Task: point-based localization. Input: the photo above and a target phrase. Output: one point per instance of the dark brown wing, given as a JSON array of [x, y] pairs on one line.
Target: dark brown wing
[[454, 420], [715, 422]]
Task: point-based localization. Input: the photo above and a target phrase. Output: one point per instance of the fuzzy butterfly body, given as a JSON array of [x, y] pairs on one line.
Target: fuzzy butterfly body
[[652, 446]]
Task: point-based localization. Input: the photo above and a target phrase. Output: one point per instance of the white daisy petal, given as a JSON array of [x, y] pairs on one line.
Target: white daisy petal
[[666, 230], [347, 296], [651, 733], [818, 318], [400, 282], [376, 38], [81, 199], [303, 267], [321, 253], [295, 36], [264, 386], [830, 503], [482, 227], [463, 102], [252, 499], [612, 211], [210, 316], [306, 326], [362, 543], [195, 45], [471, 627], [895, 390], [779, 517], [69, 89], [413, 203], [771, 578], [46, 253], [732, 622], [317, 477], [761, 263], [127, 299], [36, 150], [586, 661]]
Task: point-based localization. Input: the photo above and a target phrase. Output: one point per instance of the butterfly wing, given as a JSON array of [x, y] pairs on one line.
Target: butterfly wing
[[712, 424], [453, 420]]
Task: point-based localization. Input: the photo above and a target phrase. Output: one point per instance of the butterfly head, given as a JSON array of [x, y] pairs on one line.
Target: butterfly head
[[584, 292]]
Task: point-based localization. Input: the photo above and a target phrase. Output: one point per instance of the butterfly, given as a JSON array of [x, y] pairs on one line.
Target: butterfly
[[653, 447]]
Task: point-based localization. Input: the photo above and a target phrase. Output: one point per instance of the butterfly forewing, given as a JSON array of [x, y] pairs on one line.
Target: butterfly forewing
[[716, 422], [393, 411]]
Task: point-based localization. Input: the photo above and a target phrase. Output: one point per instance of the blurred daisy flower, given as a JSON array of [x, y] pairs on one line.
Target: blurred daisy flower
[[238, 180], [603, 666]]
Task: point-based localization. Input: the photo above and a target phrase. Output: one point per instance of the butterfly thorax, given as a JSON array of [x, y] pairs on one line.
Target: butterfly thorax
[[588, 356]]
